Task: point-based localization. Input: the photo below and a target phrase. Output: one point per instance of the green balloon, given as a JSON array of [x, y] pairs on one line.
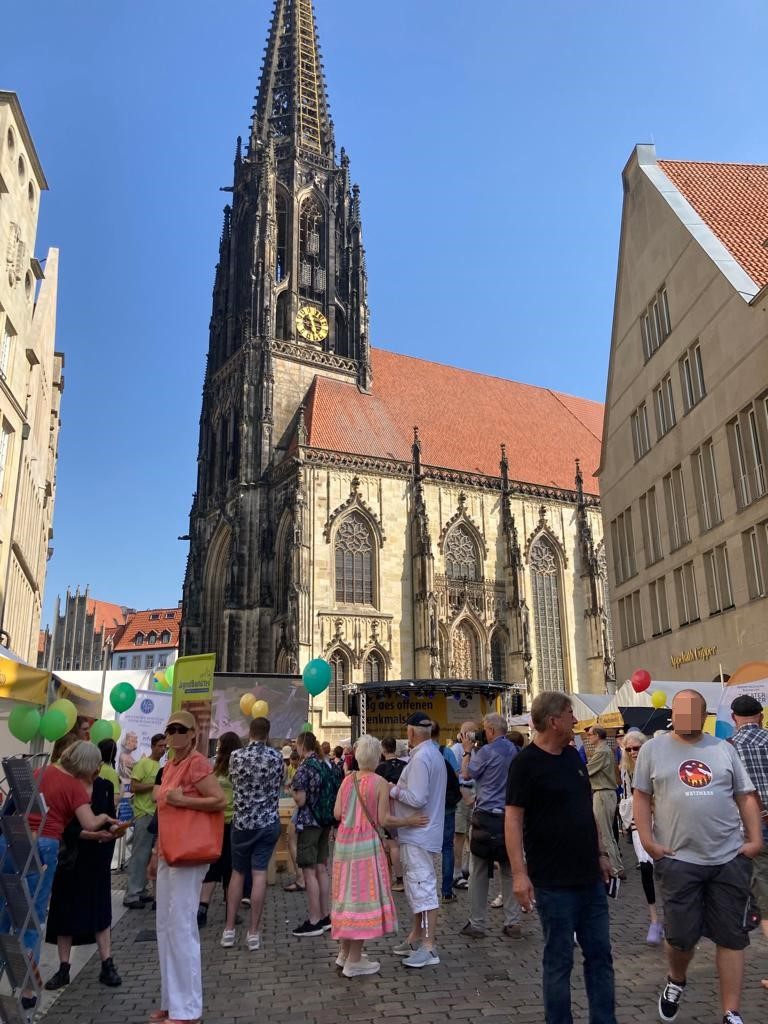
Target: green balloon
[[101, 730], [307, 727], [316, 676], [122, 697], [68, 709], [53, 725], [23, 722], [169, 675]]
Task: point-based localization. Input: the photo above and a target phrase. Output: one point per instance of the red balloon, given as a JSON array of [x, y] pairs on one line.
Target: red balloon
[[640, 680]]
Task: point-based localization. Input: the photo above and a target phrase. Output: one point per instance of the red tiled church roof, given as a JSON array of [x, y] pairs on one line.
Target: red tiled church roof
[[104, 614], [463, 417], [732, 199], [143, 622]]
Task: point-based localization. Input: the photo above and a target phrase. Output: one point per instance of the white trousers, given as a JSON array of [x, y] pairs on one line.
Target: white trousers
[[178, 940]]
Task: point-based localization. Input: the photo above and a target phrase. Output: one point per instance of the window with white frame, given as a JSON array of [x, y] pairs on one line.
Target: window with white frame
[[655, 323], [657, 593], [664, 404], [704, 472], [649, 525], [748, 442], [623, 542], [135, 661], [717, 573], [686, 594], [677, 511], [641, 439], [122, 661], [755, 546], [630, 620], [7, 336], [162, 660], [149, 661], [5, 453], [692, 377]]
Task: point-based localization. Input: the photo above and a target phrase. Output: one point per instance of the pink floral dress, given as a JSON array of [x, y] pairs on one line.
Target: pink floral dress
[[361, 903]]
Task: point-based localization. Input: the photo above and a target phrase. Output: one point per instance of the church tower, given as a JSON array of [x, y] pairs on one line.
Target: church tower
[[289, 303]]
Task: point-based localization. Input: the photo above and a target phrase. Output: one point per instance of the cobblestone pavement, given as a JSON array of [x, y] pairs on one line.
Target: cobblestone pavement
[[487, 980]]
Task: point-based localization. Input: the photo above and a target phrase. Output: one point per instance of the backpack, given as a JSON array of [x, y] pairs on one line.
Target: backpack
[[452, 789], [326, 797]]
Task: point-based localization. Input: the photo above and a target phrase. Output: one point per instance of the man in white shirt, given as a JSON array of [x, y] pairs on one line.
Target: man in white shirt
[[421, 786]]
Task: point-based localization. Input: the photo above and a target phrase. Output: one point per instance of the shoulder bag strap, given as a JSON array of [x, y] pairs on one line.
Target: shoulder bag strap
[[376, 828]]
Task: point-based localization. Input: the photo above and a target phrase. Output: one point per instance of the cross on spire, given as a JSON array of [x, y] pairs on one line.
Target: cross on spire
[[292, 102]]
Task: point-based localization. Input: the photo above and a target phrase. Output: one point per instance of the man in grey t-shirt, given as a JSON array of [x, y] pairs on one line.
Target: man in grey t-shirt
[[701, 795]]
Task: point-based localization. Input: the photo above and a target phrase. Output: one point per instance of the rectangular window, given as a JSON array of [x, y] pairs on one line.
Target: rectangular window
[[630, 620], [623, 544], [718, 577], [649, 525], [664, 404], [657, 592], [655, 323], [5, 453], [122, 661], [149, 661], [685, 591], [5, 349], [692, 377], [755, 545], [677, 513], [641, 441], [162, 660], [705, 486], [758, 471], [748, 442], [135, 661]]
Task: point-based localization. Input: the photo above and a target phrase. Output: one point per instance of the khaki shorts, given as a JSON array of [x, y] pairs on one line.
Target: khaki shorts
[[312, 846], [463, 815]]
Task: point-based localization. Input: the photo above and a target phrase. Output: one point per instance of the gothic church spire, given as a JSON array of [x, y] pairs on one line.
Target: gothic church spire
[[292, 102]]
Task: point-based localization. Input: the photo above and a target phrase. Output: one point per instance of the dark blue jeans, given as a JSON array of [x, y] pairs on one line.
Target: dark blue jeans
[[449, 830], [583, 911]]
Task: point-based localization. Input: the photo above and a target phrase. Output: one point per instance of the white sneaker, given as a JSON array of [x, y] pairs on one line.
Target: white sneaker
[[245, 902], [228, 938], [253, 940], [350, 970], [423, 957], [404, 948], [497, 901]]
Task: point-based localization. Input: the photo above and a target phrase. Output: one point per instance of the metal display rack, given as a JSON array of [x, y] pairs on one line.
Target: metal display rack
[[18, 899]]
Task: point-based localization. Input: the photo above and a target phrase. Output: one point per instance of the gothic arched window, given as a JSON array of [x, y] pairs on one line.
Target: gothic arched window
[[312, 249], [461, 557], [465, 653], [498, 657], [281, 315], [545, 583], [337, 697], [354, 561], [373, 669], [281, 256]]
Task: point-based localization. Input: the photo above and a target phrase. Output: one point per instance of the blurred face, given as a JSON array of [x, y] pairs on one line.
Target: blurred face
[[179, 737], [688, 714]]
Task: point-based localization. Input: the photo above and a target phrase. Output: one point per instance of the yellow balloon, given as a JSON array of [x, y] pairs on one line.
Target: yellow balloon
[[246, 703], [67, 708], [658, 699], [260, 709]]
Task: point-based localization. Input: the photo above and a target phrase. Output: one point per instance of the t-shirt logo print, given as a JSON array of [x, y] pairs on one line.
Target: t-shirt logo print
[[695, 774]]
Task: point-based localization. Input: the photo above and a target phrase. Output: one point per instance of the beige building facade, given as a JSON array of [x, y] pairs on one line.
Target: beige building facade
[[31, 383], [683, 477]]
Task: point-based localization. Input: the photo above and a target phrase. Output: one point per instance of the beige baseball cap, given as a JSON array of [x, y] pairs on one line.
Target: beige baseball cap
[[182, 718]]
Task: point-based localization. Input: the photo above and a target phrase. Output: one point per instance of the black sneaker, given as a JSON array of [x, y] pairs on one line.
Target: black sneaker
[[108, 974], [326, 923], [307, 929], [59, 979], [669, 1000]]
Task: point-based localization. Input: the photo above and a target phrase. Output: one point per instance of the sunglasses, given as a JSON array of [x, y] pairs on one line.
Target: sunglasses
[[632, 750], [182, 730]]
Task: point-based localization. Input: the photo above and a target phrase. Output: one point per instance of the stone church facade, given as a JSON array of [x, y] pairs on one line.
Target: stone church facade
[[400, 518]]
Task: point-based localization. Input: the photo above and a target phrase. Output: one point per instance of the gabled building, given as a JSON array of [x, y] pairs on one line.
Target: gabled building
[[683, 476], [400, 518], [83, 632], [149, 639]]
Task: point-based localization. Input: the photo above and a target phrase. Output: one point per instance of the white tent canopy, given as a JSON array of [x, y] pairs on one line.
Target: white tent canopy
[[626, 697], [91, 682]]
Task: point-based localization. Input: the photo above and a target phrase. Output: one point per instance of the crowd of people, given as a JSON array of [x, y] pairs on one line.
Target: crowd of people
[[547, 819]]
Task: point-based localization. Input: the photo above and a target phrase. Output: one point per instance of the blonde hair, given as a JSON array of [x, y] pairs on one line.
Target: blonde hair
[[368, 752], [82, 759]]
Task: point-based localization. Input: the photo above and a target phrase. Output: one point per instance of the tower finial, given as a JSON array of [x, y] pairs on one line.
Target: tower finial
[[292, 102]]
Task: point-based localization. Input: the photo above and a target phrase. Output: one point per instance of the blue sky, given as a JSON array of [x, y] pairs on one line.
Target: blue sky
[[488, 140]]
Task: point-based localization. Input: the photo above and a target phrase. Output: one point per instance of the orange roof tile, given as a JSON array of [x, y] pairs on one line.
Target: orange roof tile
[[732, 199], [463, 417], [104, 614], [145, 623]]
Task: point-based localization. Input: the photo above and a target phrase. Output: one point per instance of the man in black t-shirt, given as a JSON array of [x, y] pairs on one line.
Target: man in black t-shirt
[[565, 867]]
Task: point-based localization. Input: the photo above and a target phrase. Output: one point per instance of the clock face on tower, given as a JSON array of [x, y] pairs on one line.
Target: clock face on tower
[[311, 324]]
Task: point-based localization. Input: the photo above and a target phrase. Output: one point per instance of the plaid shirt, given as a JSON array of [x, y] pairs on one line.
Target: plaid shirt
[[751, 743]]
